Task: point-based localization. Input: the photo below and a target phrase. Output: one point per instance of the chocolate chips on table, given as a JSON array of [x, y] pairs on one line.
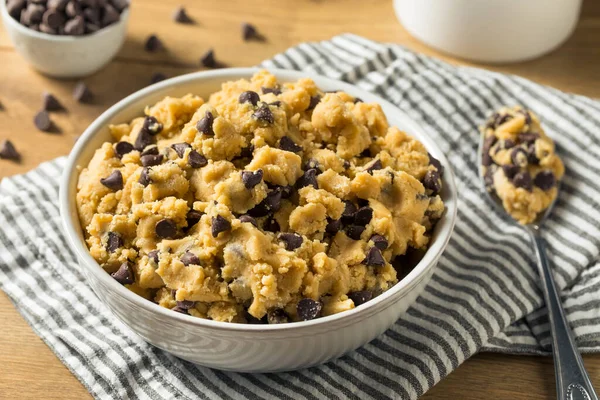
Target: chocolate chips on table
[[114, 181], [166, 228], [82, 93], [291, 240], [379, 241], [251, 179], [153, 44], [219, 224], [545, 180], [374, 258], [360, 297], [308, 309], [8, 151], [264, 113], [205, 125], [287, 144], [42, 121], [51, 103], [249, 97], [249, 32], [181, 16], [208, 60], [124, 275], [189, 258]]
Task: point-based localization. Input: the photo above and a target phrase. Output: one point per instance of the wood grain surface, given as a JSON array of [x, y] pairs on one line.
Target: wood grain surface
[[28, 369]]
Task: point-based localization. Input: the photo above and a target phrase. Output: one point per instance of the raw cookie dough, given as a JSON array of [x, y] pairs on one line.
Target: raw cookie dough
[[519, 163], [269, 203]]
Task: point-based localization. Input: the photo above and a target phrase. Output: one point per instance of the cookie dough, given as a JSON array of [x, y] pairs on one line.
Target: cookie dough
[[269, 203], [519, 163]]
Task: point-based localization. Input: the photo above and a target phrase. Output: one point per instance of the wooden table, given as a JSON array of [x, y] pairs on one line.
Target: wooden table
[[28, 369]]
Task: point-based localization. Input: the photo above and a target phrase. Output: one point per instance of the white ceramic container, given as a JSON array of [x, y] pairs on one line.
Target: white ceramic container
[[493, 31], [61, 56], [243, 347]]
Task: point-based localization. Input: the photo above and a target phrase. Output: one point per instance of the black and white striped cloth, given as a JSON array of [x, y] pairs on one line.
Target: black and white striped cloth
[[482, 297]]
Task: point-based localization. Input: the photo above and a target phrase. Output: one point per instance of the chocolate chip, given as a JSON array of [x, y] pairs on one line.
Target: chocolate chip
[[488, 177], [249, 97], [181, 16], [151, 160], [333, 227], [196, 160], [527, 116], [92, 15], [193, 217], [374, 167], [346, 164], [180, 148], [432, 181], [46, 29], [8, 151], [120, 4], [500, 119], [153, 44], [287, 144], [180, 310], [42, 121], [251, 179], [363, 216], [349, 211], [263, 113], [152, 125], [186, 304], [81, 93], [113, 242], [250, 32], [528, 137], [314, 100], [374, 258], [308, 309], [354, 231], [436, 164], [149, 150], [122, 148], [51, 103], [35, 13], [124, 275], [360, 297], [380, 242], [277, 316], [357, 100], [365, 153], [508, 144], [205, 125], [255, 321], [271, 204], [545, 180], [14, 7], [532, 155], [219, 224], [57, 4], [73, 9], [276, 90], [166, 228], [75, 26], [519, 157], [309, 178], [145, 177], [153, 256], [286, 191], [189, 258], [292, 241], [271, 225], [523, 180], [510, 170], [114, 181], [208, 59], [157, 77], [246, 218], [487, 145]]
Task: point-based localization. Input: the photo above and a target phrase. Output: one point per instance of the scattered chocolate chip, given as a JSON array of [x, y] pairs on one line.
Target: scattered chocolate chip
[[523, 180], [348, 213], [292, 241], [120, 4], [271, 225], [42, 121], [124, 275], [219, 224], [510, 170], [276, 90], [309, 178], [251, 179], [380, 242], [374, 167], [205, 125], [181, 16], [145, 177], [114, 181], [249, 32], [208, 60], [308, 309], [153, 44], [432, 181], [8, 151], [358, 100], [72, 9], [92, 15], [81, 93], [35, 13], [157, 77], [333, 227], [247, 218], [287, 144], [180, 148], [166, 228], [153, 256], [363, 216], [149, 150], [189, 258], [374, 258], [180, 310], [249, 97], [519, 157], [314, 100], [545, 180], [193, 217], [113, 242], [150, 160], [360, 297], [197, 160], [14, 8], [277, 316], [354, 231], [436, 164], [152, 125], [51, 103], [122, 148], [263, 113], [75, 26]]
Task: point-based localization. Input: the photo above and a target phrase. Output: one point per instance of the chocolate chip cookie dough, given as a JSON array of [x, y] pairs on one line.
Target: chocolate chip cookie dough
[[519, 163], [269, 203]]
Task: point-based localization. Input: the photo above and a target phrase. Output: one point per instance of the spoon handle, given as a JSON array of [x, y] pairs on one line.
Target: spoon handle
[[572, 380]]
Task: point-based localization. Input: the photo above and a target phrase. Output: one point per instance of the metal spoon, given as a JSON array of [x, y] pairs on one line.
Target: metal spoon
[[572, 380]]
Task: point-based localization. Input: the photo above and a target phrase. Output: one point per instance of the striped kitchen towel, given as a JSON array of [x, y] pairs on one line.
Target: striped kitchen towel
[[482, 297]]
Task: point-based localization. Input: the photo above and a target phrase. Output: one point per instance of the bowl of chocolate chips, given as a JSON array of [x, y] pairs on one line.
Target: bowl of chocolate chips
[[66, 38]]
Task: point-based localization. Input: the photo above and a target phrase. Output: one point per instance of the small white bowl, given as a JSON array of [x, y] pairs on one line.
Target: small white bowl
[[245, 347], [62, 56]]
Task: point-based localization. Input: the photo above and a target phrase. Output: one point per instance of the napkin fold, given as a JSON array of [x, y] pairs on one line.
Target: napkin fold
[[483, 295]]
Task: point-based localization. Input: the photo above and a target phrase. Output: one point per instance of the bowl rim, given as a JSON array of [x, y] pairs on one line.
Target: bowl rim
[[445, 225], [9, 20]]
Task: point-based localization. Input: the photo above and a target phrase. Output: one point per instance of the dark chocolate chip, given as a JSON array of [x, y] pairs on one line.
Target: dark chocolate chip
[[151, 160], [346, 164], [292, 241], [157, 77], [333, 227], [287, 144], [432, 181], [145, 177], [120, 4], [488, 178], [360, 297], [46, 29], [380, 242], [354, 231], [181, 16], [500, 119], [81, 93], [113, 242], [114, 181], [42, 121], [152, 125], [255, 321], [263, 113], [180, 310], [75, 26], [208, 59], [8, 151], [247, 218], [486, 159], [309, 178], [527, 116], [374, 167], [510, 170], [488, 143], [508, 144], [92, 15], [249, 97], [358, 100], [532, 155], [205, 125], [193, 217], [153, 44], [14, 8], [53, 18], [271, 204], [36, 13], [124, 275], [180, 148], [363, 216], [314, 100], [271, 225], [51, 103], [529, 137], [250, 32], [219, 224], [308, 309], [374, 258], [251, 179], [365, 153], [73, 9], [349, 211], [436, 164], [153, 256], [276, 90], [122, 148], [286, 191], [196, 160], [166, 228], [149, 150], [277, 316], [276, 103], [545, 180], [186, 304], [519, 157], [189, 258], [523, 180]]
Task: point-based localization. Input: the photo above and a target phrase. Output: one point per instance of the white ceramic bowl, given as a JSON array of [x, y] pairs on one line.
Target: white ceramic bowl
[[490, 30], [244, 347], [61, 56]]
